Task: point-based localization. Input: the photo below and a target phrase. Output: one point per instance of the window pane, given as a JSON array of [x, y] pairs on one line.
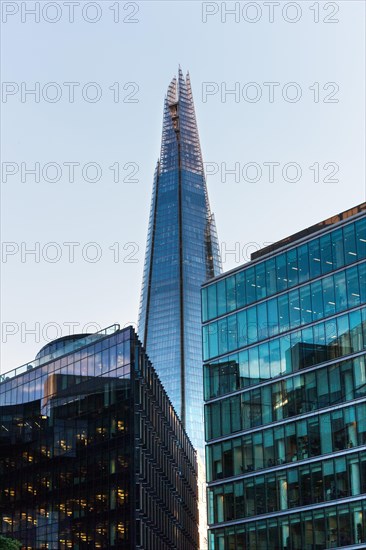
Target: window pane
[[240, 289], [260, 281], [273, 316], [303, 263], [221, 297], [340, 291], [250, 285], [242, 328], [223, 336], [317, 300], [271, 277], [252, 324], [292, 268], [213, 339], [337, 247], [350, 248], [361, 238], [329, 296], [262, 320], [281, 269], [326, 254], [211, 302], [353, 291], [283, 312], [231, 293], [294, 306], [314, 258], [305, 305], [232, 333]]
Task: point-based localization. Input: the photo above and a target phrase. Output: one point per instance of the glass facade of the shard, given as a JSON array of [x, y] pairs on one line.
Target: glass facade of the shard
[[182, 252], [285, 389]]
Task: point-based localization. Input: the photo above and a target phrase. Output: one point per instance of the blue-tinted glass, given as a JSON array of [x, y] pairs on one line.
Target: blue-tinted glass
[[240, 289], [244, 368], [292, 268], [213, 339], [275, 357], [319, 334], [250, 285], [225, 417], [181, 254], [330, 329], [361, 238], [235, 414], [326, 254], [232, 332], [317, 300], [343, 334], [294, 307], [283, 312], [329, 296], [212, 301], [252, 325], [281, 271], [242, 328], [223, 336], [205, 344], [254, 365], [350, 247], [221, 297], [272, 316], [355, 325], [305, 305], [314, 258], [204, 305], [262, 321], [337, 248], [286, 364], [340, 291], [353, 289], [303, 263], [231, 293], [260, 276], [264, 362], [271, 284], [362, 276]]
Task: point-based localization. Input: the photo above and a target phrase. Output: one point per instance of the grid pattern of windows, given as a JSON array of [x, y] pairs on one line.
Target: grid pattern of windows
[[302, 306], [288, 442], [342, 335], [321, 527], [93, 455], [314, 482], [284, 342], [334, 250], [291, 396]]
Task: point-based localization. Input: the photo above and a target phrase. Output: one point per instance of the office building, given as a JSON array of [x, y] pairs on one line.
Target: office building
[[284, 341], [92, 453]]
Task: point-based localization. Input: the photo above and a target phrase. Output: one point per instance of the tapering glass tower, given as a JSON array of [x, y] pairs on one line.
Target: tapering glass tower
[[182, 253]]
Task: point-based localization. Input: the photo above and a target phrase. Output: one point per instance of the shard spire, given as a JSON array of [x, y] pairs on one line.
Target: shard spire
[[182, 252]]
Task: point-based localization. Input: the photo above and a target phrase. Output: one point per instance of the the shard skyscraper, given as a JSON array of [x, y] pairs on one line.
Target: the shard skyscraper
[[182, 252]]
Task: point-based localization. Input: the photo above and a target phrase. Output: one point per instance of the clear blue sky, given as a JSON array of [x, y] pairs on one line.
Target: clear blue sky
[[148, 53]]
